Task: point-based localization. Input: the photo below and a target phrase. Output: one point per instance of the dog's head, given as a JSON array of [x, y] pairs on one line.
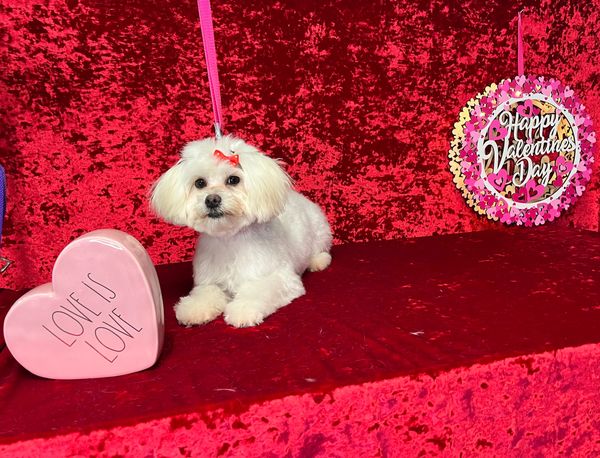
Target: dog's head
[[220, 186]]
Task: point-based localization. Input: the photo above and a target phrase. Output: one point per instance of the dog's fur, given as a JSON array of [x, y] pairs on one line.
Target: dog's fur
[[254, 245]]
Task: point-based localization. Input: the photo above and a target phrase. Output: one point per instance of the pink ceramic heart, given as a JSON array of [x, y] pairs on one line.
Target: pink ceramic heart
[[101, 316]]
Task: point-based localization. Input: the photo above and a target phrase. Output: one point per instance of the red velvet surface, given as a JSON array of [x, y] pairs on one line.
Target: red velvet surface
[[540, 405], [411, 311], [359, 98]]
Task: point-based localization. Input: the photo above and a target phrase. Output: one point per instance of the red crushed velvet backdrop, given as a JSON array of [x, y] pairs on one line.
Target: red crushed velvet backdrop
[[358, 98]]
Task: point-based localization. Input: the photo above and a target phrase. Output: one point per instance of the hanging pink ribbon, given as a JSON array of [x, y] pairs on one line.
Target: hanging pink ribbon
[[520, 60], [210, 54]]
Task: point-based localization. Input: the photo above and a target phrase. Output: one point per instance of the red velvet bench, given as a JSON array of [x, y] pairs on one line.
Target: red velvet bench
[[478, 344]]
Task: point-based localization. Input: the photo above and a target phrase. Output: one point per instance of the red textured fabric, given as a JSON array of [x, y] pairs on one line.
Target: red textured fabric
[[455, 336], [539, 405], [359, 98]]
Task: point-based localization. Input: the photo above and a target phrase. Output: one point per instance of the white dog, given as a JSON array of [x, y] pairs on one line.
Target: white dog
[[258, 234]]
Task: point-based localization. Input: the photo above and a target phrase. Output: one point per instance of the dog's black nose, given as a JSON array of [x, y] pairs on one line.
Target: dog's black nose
[[213, 200]]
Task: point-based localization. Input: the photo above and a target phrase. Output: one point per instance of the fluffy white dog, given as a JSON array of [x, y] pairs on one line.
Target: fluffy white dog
[[258, 235]]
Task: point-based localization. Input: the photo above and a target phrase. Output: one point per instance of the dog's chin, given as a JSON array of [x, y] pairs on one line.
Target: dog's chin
[[217, 223]]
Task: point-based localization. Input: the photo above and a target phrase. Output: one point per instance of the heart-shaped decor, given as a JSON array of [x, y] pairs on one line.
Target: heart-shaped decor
[[534, 190], [496, 131], [102, 315], [527, 109], [499, 179]]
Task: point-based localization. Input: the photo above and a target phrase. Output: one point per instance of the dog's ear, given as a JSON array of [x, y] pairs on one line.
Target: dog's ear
[[169, 195], [266, 183]]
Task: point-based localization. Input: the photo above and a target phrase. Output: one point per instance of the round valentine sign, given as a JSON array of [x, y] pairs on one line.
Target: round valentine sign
[[522, 150]]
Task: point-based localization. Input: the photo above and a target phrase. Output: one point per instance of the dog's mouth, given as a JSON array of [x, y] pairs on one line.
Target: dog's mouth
[[215, 214]]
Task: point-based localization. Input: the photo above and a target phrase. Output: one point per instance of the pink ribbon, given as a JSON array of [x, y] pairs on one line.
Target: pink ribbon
[[520, 60], [210, 54]]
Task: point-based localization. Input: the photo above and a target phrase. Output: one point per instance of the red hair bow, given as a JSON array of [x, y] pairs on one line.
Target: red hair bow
[[234, 159]]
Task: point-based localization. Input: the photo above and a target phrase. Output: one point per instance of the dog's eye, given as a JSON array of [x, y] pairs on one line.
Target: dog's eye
[[200, 183], [233, 180]]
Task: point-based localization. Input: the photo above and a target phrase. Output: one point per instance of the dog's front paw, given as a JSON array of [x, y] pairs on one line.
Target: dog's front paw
[[243, 314], [204, 304]]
